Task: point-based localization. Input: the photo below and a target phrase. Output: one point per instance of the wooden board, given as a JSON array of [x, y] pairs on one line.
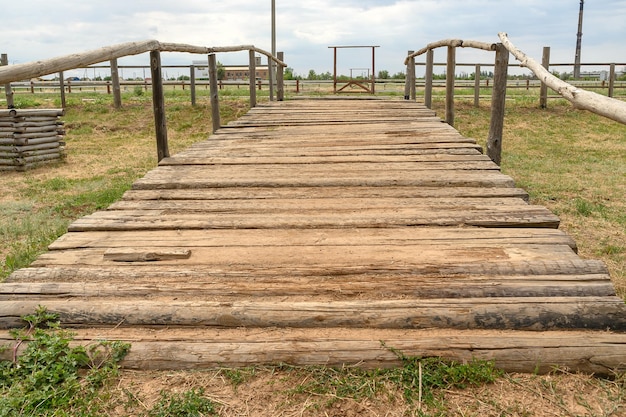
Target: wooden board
[[307, 232]]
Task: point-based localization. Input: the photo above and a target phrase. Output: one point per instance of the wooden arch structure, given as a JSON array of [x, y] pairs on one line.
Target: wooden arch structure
[[367, 85]]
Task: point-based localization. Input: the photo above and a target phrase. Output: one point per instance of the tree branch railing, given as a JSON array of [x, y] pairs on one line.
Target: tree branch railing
[[29, 70], [494, 140], [582, 99]]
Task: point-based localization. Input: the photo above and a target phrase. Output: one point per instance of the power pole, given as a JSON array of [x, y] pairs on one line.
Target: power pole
[[579, 37]]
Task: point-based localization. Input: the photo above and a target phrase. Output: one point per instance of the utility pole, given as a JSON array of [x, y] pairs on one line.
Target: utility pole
[[579, 37]]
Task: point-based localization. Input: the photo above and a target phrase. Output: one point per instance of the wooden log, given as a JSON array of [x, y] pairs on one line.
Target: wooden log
[[214, 91], [513, 351], [26, 148], [138, 255], [341, 287], [280, 79], [252, 72], [453, 43], [597, 103], [428, 79], [453, 269], [450, 79], [498, 104], [538, 314], [25, 130], [36, 138], [115, 79], [482, 216], [158, 105], [31, 112]]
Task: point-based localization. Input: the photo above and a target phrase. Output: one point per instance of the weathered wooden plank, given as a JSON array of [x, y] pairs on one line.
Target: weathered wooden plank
[[452, 269], [345, 204], [340, 287], [513, 351], [206, 157], [373, 257], [189, 178], [484, 216], [321, 237], [518, 313], [323, 192]]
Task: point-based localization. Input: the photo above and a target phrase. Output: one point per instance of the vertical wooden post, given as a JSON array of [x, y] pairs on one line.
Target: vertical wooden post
[[280, 78], [428, 79], [373, 70], [192, 78], [252, 72], [477, 86], [612, 80], [158, 104], [270, 74], [498, 102], [543, 94], [4, 60], [335, 70], [115, 79], [450, 75], [62, 87], [407, 79], [214, 92]]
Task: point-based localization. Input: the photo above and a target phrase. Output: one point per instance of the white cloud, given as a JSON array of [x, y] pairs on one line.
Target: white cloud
[[39, 29]]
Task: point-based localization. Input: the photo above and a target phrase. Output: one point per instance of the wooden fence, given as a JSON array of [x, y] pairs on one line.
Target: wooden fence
[[599, 104], [27, 71]]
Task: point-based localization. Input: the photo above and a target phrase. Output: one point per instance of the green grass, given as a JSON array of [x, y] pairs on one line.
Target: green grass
[[53, 378]]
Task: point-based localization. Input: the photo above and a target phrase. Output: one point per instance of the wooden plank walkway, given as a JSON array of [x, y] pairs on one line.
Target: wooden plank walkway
[[309, 231]]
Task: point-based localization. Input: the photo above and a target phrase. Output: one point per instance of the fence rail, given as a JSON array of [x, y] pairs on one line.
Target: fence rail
[[26, 71]]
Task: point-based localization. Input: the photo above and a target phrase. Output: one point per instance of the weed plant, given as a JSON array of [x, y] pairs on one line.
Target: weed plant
[[52, 378]]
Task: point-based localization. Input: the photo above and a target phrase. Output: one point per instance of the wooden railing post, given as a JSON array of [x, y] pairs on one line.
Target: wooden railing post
[[407, 79], [280, 78], [450, 75], [477, 86], [270, 76], [428, 79], [158, 104], [4, 60], [498, 103], [611, 80], [192, 78], [543, 92], [214, 92], [115, 79], [62, 88], [252, 72]]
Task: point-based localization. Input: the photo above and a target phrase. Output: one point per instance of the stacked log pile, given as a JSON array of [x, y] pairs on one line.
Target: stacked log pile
[[30, 137]]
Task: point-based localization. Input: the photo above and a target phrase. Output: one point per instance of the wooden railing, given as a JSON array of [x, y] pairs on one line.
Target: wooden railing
[[27, 71], [582, 99], [494, 140]]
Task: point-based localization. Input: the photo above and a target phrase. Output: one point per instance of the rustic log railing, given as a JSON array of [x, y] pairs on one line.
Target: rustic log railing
[[581, 99], [26, 71], [494, 141]]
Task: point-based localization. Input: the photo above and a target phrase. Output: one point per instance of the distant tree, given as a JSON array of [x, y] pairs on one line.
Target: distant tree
[[383, 75], [221, 71], [398, 76], [312, 75], [184, 78], [288, 74]]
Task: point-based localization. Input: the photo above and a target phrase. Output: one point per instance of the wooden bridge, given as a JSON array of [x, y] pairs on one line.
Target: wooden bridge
[[325, 232]]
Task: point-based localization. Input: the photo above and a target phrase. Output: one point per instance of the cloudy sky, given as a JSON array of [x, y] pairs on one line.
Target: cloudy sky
[[39, 29]]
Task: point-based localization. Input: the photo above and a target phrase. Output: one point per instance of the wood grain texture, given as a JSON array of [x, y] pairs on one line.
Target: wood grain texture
[[308, 231]]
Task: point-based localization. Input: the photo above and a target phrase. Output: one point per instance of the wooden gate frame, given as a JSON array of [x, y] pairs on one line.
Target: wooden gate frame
[[367, 86]]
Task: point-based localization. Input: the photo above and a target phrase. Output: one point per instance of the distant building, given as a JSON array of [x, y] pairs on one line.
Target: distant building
[[233, 72]]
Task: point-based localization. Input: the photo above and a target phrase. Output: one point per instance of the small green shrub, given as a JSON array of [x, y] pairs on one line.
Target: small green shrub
[[51, 377], [191, 403]]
